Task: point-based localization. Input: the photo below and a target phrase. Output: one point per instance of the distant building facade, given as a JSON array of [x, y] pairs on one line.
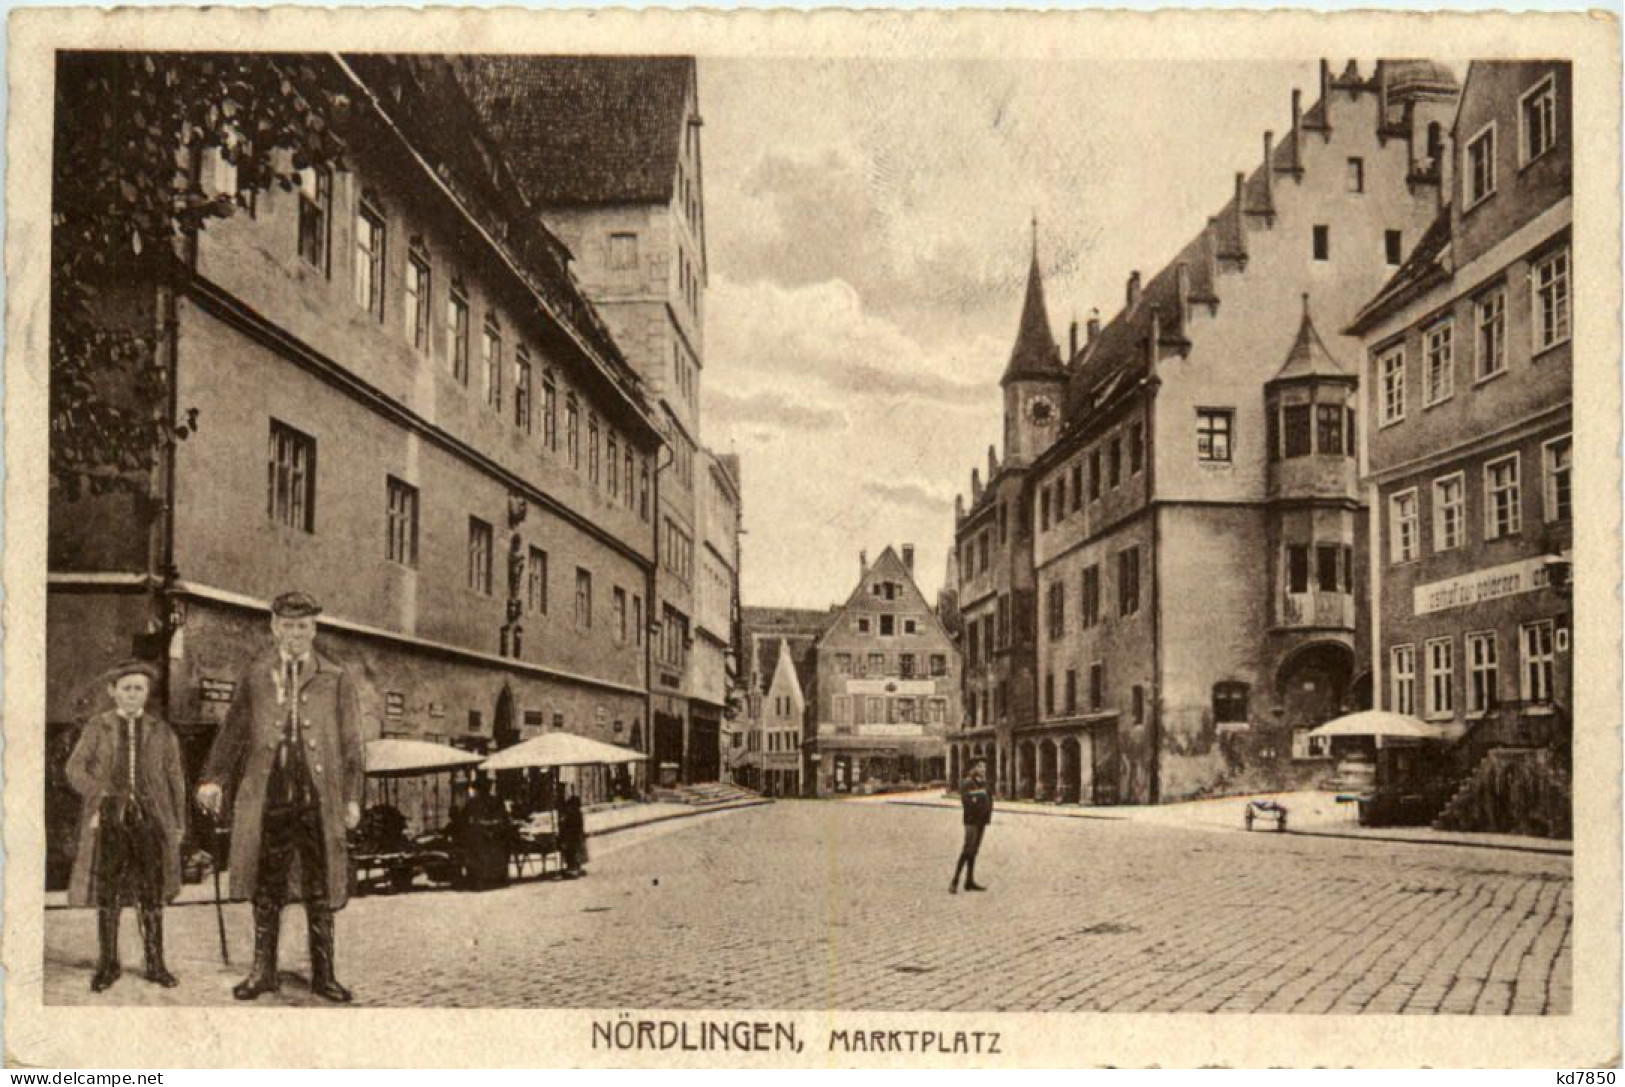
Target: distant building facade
[[1468, 387], [780, 671], [422, 451], [609, 149], [886, 689]]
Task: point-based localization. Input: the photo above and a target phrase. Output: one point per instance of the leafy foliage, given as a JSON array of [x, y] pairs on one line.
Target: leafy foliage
[[128, 198]]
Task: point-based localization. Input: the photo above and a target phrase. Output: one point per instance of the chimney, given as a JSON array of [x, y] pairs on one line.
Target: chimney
[[992, 464], [1241, 196], [1269, 170], [1072, 342], [1297, 129], [908, 558], [1094, 325], [863, 563], [975, 486], [1133, 289], [959, 508]]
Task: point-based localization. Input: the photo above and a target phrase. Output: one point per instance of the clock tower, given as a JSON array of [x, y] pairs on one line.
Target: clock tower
[[1034, 380]]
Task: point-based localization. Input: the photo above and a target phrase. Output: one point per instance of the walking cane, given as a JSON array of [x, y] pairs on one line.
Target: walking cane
[[219, 903]]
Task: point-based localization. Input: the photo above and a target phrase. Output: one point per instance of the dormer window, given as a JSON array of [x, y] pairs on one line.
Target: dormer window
[[1481, 165]]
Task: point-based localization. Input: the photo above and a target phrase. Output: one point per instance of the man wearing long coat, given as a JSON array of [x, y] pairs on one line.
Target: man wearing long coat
[[289, 757], [126, 768]]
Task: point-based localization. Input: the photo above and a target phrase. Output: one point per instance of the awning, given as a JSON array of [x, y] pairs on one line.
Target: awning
[[1381, 723], [560, 749], [402, 758]]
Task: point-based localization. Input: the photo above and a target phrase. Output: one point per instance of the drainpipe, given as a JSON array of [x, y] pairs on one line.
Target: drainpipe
[[649, 619], [1150, 386]]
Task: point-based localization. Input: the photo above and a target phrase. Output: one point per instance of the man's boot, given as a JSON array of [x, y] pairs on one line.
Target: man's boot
[[107, 964], [970, 878], [319, 922], [152, 942], [262, 977]]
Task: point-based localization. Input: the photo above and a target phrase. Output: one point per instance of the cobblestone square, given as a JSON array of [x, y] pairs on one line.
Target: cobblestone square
[[830, 904]]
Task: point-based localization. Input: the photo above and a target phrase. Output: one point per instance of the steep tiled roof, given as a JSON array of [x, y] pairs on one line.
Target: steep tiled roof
[[586, 130], [1035, 354], [1308, 356], [1428, 263]]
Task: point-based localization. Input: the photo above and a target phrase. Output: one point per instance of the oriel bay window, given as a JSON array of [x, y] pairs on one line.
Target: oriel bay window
[[1329, 429]]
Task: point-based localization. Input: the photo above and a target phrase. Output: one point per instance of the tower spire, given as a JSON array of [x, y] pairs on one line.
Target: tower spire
[[1036, 354]]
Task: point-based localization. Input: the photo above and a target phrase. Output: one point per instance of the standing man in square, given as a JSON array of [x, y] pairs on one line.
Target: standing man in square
[[977, 803], [289, 756], [126, 767]]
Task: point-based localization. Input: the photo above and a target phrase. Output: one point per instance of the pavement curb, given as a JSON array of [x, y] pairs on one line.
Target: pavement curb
[[1535, 845], [732, 805]]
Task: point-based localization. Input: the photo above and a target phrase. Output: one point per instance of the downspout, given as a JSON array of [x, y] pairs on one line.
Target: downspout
[[650, 591], [1150, 385]]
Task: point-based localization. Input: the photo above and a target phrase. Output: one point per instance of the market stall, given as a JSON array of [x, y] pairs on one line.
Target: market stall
[[389, 850], [1392, 765], [538, 835]]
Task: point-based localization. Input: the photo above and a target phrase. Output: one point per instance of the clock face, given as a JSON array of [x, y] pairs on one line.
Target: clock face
[[1041, 411]]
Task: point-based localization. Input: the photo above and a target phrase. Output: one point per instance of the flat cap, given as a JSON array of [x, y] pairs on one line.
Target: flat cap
[[133, 667], [295, 605]]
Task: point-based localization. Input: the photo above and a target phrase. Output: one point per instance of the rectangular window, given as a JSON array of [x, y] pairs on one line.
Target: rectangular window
[[1272, 433], [315, 212], [1114, 461], [572, 432], [1091, 596], [416, 310], [401, 522], [1057, 609], [1348, 569], [1438, 365], [888, 626], [1492, 331], [843, 664], [1402, 677], [1136, 448], [1299, 439], [939, 664], [1441, 677], [550, 412], [1329, 429], [1213, 434], [982, 553], [1077, 494], [521, 390], [618, 613], [1356, 175], [1071, 691], [1536, 677], [1094, 474], [1297, 568], [583, 597], [536, 582], [1503, 510], [1481, 672], [1323, 242], [612, 460], [875, 665], [1326, 567], [1449, 512], [1043, 509], [457, 334], [626, 464], [593, 463], [1049, 694], [1558, 454], [1402, 542], [1393, 386], [1060, 497], [1481, 166], [1393, 251], [1128, 581], [1550, 283], [491, 357], [1097, 685], [905, 665], [1349, 431], [623, 252], [643, 491], [368, 272], [291, 478], [1538, 119], [479, 556]]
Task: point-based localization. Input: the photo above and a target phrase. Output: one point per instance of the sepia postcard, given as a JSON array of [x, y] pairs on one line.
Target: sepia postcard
[[783, 539]]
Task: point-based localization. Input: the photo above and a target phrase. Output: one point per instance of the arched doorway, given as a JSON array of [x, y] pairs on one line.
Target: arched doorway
[[1071, 771], [1313, 684], [1024, 771], [1046, 771]]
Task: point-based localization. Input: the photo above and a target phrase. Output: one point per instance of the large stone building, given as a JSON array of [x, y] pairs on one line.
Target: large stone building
[[1197, 528], [1468, 390], [992, 558], [405, 408], [608, 147], [886, 692]]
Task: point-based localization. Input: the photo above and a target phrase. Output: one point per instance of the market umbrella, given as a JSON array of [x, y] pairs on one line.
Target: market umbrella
[[1381, 723], [404, 758], [554, 749]]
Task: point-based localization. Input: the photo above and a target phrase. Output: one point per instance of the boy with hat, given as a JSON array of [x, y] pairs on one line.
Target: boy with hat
[[289, 753], [126, 767]]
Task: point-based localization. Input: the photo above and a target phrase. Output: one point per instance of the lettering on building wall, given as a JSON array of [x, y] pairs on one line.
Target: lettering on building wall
[[1479, 586]]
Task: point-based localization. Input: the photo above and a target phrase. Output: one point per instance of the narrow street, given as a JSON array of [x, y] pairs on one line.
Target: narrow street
[[829, 904]]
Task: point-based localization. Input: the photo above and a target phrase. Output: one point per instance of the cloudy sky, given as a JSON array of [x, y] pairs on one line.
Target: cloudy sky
[[868, 234]]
